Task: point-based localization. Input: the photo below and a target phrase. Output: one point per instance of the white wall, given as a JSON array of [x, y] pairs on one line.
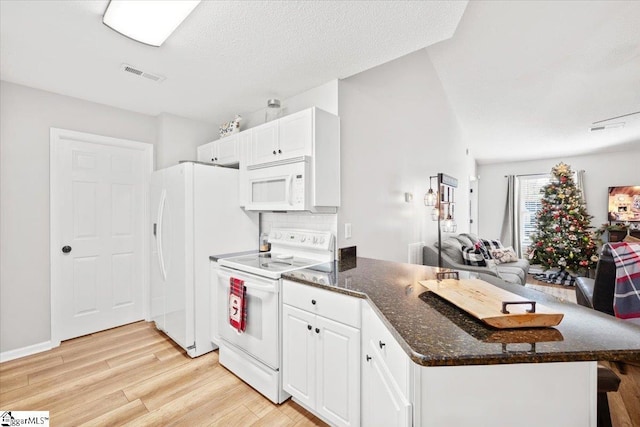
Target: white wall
[[26, 115], [397, 129], [324, 96], [602, 170], [178, 138]]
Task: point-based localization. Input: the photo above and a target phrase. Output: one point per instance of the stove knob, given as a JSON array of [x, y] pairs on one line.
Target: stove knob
[[321, 239], [303, 238], [321, 281], [277, 235], [315, 240]]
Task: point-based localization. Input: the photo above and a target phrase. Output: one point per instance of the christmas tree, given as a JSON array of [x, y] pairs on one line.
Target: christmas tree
[[563, 239]]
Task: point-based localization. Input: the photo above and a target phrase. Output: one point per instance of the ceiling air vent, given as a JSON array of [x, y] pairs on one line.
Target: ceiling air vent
[[153, 77]]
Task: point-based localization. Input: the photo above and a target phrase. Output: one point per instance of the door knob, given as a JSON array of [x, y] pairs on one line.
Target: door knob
[[66, 249]]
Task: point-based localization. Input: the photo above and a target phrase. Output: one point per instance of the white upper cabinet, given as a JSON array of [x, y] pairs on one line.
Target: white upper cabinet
[[299, 134], [224, 151], [296, 134], [264, 144]]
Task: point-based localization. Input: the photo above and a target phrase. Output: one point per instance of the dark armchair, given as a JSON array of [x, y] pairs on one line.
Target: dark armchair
[[598, 293]]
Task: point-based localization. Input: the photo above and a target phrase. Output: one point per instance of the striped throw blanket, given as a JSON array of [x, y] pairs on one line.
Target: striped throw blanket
[[626, 300]]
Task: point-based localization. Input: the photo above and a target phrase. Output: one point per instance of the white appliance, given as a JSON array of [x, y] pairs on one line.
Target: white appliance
[[194, 214], [285, 185], [254, 355], [279, 186]]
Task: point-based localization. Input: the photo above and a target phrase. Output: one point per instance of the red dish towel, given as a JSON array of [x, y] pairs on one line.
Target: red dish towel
[[237, 306]]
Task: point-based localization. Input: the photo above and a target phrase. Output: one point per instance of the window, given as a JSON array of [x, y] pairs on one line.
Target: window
[[529, 204]]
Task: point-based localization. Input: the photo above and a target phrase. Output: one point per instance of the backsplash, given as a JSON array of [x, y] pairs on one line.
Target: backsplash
[[303, 220]]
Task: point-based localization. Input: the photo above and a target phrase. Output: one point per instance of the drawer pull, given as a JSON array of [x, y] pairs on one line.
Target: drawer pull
[[317, 330], [313, 302], [309, 327], [368, 357], [381, 344]]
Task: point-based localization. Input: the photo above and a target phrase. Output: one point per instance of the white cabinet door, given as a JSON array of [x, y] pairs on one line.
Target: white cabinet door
[[296, 134], [338, 372], [298, 354], [226, 151], [206, 152], [264, 143], [383, 404], [244, 145]]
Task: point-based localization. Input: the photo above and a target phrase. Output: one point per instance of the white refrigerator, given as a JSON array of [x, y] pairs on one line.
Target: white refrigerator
[[195, 213]]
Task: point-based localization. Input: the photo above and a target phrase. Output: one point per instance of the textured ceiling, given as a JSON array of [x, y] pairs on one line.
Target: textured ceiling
[[527, 78], [228, 56]]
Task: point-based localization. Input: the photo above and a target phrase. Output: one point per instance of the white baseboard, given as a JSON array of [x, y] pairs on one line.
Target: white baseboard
[[5, 356]]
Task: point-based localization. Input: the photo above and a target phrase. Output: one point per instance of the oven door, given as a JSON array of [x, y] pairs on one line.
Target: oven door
[[261, 337]]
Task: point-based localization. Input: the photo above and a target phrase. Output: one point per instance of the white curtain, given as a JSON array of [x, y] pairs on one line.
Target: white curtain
[[580, 185], [510, 233]]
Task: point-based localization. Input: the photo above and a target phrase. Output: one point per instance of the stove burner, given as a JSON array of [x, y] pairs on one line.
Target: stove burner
[[276, 264]]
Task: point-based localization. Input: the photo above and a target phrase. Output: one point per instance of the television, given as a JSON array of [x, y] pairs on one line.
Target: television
[[624, 203]]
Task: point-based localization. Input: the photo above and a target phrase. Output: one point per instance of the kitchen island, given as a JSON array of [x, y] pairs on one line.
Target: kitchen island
[[461, 372]]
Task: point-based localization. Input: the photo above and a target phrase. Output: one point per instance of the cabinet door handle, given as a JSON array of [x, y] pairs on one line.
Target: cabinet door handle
[[309, 327], [279, 151], [317, 331], [274, 152], [381, 344], [369, 358], [313, 302], [213, 159]]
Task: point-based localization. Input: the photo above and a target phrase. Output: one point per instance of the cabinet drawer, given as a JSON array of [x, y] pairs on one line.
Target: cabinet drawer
[[393, 356], [332, 305]]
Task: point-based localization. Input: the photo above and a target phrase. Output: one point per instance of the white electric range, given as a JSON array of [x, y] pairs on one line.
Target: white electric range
[[254, 354]]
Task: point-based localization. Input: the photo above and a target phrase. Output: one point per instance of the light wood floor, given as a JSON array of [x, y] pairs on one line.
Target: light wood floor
[[134, 375], [625, 403]]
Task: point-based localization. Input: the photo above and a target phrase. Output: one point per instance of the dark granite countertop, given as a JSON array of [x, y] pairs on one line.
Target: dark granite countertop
[[434, 332], [215, 258]]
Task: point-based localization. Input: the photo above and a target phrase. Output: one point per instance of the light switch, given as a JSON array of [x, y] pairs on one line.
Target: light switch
[[347, 230]]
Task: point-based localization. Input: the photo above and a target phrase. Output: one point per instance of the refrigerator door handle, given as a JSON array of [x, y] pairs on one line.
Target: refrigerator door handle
[[163, 198]]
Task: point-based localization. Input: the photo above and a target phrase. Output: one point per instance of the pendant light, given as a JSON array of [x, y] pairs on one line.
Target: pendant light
[[431, 196]]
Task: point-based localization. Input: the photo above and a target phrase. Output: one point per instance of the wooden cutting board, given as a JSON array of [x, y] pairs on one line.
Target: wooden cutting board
[[489, 303]]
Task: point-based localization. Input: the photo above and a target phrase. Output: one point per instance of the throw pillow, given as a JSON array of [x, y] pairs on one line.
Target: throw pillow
[[504, 255], [473, 256], [492, 244]]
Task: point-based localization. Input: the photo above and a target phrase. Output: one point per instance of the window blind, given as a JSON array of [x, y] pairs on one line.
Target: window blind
[[529, 204]]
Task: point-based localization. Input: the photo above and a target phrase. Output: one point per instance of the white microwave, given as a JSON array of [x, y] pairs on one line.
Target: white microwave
[[283, 185]]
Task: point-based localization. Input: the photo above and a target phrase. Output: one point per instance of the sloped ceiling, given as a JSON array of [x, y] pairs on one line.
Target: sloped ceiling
[[528, 78], [226, 57]]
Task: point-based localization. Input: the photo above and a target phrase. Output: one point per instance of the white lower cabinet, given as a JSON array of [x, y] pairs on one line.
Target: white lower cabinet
[[383, 404], [321, 365], [386, 373]]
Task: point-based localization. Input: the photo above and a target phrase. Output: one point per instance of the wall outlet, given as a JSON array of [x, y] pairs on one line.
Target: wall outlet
[[347, 230]]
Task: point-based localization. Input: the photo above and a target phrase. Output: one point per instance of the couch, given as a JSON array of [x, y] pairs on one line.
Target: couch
[[511, 272]]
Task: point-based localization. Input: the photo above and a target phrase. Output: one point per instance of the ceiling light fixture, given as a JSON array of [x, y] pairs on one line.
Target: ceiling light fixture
[[151, 21]]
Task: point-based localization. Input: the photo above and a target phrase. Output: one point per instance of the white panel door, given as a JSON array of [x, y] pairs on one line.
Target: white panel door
[[295, 134], [227, 150], [98, 203], [264, 143], [298, 354], [338, 372]]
